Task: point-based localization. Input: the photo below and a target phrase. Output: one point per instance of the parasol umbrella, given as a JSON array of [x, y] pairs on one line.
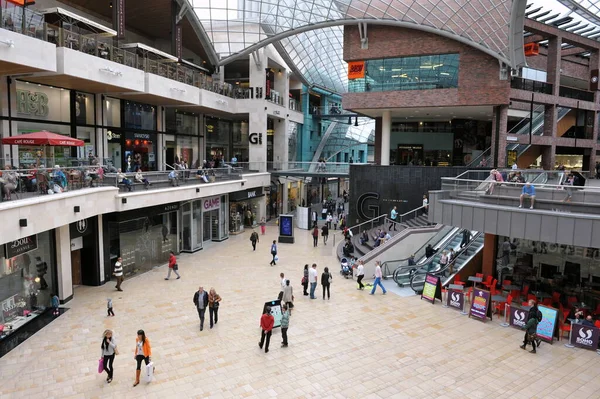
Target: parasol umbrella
[[43, 138]]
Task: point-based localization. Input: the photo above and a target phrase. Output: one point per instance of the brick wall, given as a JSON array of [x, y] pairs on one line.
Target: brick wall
[[478, 78]]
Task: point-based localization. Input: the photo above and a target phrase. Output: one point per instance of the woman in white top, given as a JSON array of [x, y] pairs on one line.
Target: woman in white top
[[139, 178], [360, 272], [109, 350], [443, 260]]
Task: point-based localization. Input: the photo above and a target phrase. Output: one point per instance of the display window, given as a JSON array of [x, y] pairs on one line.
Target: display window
[[27, 280], [140, 151], [39, 102]]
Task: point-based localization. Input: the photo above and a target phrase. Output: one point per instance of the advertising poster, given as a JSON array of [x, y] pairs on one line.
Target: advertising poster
[[455, 300], [545, 328], [275, 311], [431, 288], [585, 336], [480, 307], [286, 229], [518, 317]]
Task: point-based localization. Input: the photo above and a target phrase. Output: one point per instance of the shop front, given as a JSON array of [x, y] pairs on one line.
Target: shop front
[[27, 280], [142, 237], [214, 218], [245, 209], [84, 252]]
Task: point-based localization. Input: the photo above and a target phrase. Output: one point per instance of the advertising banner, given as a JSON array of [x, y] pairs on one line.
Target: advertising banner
[[356, 70], [21, 246], [432, 288], [480, 307], [518, 317], [585, 336], [275, 311], [546, 327], [455, 299]]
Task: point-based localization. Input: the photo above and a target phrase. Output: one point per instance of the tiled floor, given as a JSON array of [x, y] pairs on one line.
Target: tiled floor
[[352, 346]]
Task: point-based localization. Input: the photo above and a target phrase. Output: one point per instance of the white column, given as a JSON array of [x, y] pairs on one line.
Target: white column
[[280, 143], [284, 196], [257, 120], [100, 250], [386, 128], [63, 263]]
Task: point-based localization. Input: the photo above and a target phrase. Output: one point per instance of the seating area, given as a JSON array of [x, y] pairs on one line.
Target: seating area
[[183, 178]]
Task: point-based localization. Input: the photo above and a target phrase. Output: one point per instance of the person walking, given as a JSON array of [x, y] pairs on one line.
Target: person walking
[[288, 295], [329, 220], [109, 306], [425, 205], [360, 273], [283, 279], [325, 233], [443, 261], [466, 237], [273, 253], [266, 324], [326, 279], [254, 239], [535, 316], [142, 352], [312, 278], [118, 273], [315, 235], [335, 221], [214, 301], [109, 350], [285, 323], [263, 226], [173, 266], [305, 280], [201, 302], [393, 216], [378, 276]]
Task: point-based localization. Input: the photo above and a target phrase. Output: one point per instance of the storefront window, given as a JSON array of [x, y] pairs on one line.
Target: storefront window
[[40, 156], [35, 101], [187, 150], [215, 221], [240, 141], [112, 112], [27, 280], [245, 209], [293, 141], [84, 109], [140, 151], [88, 135], [217, 137], [139, 116]]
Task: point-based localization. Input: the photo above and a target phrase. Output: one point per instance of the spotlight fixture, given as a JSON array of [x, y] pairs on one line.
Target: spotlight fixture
[[123, 200], [76, 209], [22, 222]]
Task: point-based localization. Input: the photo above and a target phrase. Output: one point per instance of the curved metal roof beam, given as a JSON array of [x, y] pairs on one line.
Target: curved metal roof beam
[[581, 11], [400, 24]]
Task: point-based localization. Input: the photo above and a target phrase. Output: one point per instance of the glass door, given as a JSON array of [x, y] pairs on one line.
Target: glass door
[[206, 229], [186, 227], [197, 225]]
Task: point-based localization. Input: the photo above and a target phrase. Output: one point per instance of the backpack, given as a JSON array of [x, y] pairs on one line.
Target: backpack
[[539, 316]]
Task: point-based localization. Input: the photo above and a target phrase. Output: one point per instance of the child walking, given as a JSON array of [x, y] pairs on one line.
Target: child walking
[[109, 305]]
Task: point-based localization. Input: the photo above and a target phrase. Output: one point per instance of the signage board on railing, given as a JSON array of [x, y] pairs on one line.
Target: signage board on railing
[[584, 336]]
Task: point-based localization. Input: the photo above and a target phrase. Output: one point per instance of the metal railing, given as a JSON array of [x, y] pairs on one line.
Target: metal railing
[[531, 85], [577, 94], [412, 214], [483, 160], [323, 167], [173, 178], [294, 105], [17, 184]]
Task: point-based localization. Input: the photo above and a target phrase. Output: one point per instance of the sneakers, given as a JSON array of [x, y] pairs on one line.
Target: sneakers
[[178, 277], [531, 207], [532, 351], [166, 278], [522, 347], [520, 206]]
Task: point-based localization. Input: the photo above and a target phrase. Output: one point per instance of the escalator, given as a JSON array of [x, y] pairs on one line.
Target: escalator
[[403, 270], [465, 255], [536, 130]]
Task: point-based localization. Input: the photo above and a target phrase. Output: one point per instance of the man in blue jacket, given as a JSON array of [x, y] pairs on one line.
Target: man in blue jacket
[[527, 192]]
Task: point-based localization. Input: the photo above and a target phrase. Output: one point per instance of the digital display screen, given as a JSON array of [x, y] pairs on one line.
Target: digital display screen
[[286, 227]]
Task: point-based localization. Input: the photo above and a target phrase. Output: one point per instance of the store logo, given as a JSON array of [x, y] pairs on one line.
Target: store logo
[[210, 204], [34, 104], [455, 300], [251, 194], [81, 226], [585, 337], [362, 204], [519, 318], [255, 138]]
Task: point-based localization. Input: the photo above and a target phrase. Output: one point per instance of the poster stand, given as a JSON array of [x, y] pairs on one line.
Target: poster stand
[[432, 288], [480, 305]]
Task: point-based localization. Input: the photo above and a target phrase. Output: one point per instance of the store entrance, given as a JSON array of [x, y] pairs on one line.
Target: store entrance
[[211, 225], [170, 153]]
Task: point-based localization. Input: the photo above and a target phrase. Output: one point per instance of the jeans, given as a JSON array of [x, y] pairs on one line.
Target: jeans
[[315, 241], [201, 313], [313, 287], [139, 359], [325, 239], [213, 312], [284, 335], [108, 365], [174, 271], [359, 281], [273, 261], [264, 334], [110, 312], [376, 283], [254, 245], [392, 224], [326, 288]]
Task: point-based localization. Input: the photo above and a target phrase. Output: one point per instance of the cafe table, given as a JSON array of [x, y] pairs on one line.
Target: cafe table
[[511, 287], [541, 295], [498, 298], [475, 280]]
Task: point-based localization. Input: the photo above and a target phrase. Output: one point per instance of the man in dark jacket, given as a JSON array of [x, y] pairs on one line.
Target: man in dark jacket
[[201, 302], [535, 316], [429, 251]]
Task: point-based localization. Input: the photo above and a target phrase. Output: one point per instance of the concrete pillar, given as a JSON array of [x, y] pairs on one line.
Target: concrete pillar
[[63, 264], [257, 121], [280, 143], [10, 157], [160, 145], [386, 130], [553, 63], [284, 196], [377, 155], [499, 133], [101, 251], [489, 254], [550, 120], [548, 157]]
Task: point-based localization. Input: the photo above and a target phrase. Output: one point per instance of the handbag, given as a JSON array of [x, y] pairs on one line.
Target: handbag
[[304, 280], [276, 258], [100, 365], [175, 266]]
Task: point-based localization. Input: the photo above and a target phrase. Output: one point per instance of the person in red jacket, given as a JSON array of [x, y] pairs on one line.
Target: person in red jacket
[[266, 324], [173, 266]]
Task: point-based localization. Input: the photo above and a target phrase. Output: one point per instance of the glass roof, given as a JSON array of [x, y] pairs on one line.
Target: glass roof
[[312, 36], [569, 11]]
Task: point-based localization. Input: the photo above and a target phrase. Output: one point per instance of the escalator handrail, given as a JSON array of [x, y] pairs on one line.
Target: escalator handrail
[[442, 270]]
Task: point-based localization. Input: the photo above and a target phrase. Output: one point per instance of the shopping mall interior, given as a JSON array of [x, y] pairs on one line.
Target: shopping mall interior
[[440, 155]]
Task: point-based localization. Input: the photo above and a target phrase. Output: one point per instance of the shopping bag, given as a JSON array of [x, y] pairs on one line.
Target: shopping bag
[[276, 258], [100, 365], [149, 373]]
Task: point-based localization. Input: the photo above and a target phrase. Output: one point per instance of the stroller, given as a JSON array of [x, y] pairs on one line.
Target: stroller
[[345, 269]]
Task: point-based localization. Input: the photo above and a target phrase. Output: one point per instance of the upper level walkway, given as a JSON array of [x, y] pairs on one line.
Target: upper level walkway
[[560, 213]]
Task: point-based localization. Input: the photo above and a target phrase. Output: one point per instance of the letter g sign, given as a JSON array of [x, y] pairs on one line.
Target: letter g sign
[[255, 138]]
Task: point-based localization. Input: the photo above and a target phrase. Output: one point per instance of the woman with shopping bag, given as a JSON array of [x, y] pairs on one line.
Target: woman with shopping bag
[[142, 352], [109, 350]]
